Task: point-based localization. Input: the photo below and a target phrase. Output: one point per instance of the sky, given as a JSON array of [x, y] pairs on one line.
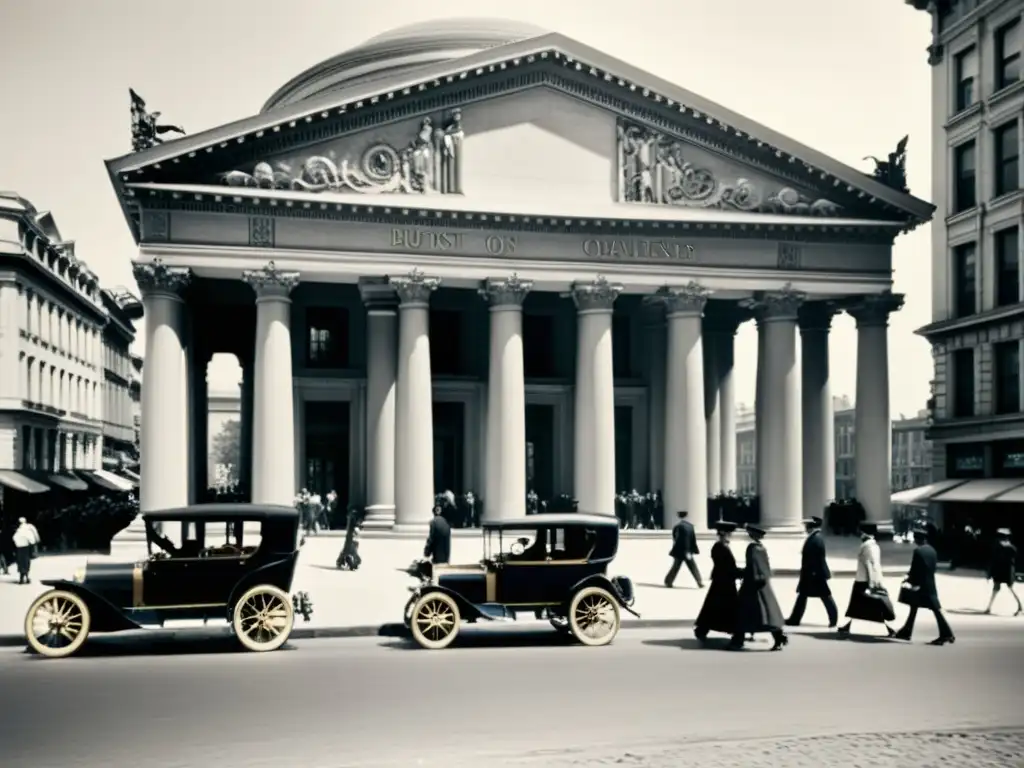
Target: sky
[[847, 78]]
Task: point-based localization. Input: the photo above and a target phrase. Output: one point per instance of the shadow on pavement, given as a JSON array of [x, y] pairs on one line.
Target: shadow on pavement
[[690, 643], [851, 638], [651, 585], [491, 638], [158, 643]]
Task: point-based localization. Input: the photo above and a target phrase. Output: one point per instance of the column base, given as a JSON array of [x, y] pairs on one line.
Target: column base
[[411, 528], [379, 517], [785, 529]]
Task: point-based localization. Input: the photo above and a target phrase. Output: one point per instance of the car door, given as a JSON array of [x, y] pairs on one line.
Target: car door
[[171, 582], [521, 578]]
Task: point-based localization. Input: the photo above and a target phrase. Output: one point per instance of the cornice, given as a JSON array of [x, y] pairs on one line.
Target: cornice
[[515, 67]]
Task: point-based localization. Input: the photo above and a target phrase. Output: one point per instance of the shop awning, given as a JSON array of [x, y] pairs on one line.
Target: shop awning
[[979, 490], [68, 482], [129, 475], [924, 493], [112, 481], [18, 482], [1012, 496]]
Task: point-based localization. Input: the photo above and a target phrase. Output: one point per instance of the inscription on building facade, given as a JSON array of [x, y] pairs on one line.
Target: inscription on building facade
[[656, 250], [425, 239]]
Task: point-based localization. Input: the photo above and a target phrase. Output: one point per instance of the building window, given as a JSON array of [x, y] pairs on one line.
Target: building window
[[1007, 159], [539, 346], [1008, 54], [966, 63], [1007, 364], [965, 194], [963, 383], [1007, 267], [445, 342], [965, 280], [326, 337]]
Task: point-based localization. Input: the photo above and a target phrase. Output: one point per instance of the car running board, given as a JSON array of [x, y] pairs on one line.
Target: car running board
[[496, 612]]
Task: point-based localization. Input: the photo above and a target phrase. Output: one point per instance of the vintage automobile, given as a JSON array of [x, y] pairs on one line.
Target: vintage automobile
[[551, 565], [232, 562]]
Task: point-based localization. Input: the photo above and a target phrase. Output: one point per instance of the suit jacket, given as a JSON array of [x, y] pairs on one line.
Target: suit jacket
[[923, 564], [869, 563], [439, 541], [814, 570], [684, 540]]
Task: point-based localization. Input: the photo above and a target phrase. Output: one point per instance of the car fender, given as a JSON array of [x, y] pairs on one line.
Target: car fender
[[466, 608], [278, 573], [106, 617], [602, 581]]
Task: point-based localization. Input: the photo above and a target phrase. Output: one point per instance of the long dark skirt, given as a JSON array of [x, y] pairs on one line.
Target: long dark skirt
[[863, 607], [718, 614], [758, 610], [24, 558]]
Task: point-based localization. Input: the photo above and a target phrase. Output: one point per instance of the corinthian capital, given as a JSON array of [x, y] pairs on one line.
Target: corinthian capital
[[875, 309], [783, 304], [597, 295], [415, 288], [157, 277], [506, 291], [817, 315], [690, 299], [270, 281]]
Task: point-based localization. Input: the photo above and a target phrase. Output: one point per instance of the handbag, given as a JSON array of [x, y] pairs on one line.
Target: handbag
[[910, 594], [881, 594]]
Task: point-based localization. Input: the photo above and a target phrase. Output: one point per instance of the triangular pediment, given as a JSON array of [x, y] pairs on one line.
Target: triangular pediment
[[544, 119]]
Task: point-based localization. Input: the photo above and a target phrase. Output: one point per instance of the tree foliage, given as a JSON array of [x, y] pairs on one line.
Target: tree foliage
[[227, 448]]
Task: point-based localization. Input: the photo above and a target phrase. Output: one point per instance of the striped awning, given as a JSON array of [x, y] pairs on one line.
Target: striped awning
[[923, 493], [980, 490], [116, 482]]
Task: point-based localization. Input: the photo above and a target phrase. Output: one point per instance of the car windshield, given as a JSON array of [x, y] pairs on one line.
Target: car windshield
[[192, 538]]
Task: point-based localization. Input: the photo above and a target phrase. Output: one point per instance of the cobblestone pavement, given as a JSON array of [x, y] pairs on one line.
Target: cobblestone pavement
[[954, 749]]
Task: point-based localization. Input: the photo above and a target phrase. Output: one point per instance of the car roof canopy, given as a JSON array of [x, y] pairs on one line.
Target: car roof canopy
[[559, 519], [225, 512]]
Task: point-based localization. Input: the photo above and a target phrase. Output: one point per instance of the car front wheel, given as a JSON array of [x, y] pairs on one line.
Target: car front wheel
[[263, 618], [57, 623], [594, 616], [435, 621]]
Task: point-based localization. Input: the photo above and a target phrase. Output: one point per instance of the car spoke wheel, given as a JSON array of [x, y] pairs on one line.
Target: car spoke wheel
[[57, 623], [435, 621], [263, 618], [594, 616]]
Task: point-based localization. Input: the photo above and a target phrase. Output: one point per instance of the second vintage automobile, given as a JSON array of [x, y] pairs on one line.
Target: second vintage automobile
[[552, 565], [234, 563]]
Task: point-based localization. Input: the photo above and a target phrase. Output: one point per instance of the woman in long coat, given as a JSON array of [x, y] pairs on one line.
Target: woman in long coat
[[868, 600], [758, 608], [718, 614], [1002, 569]]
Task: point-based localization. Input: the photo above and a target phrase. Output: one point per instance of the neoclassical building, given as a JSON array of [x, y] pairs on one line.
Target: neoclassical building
[[476, 255]]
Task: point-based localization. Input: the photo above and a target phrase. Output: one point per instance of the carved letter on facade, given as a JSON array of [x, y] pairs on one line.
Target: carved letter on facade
[[790, 256], [507, 291], [430, 163], [261, 232], [689, 299], [656, 168], [415, 288], [270, 281], [157, 277]]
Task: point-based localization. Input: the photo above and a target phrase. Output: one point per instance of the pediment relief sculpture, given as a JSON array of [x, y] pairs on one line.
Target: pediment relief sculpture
[[660, 169], [431, 163]]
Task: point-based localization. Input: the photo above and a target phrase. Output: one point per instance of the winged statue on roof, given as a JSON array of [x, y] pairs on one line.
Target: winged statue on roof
[[146, 130], [893, 171]]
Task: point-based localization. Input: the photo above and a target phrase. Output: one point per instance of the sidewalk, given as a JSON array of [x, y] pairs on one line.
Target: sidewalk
[[360, 602]]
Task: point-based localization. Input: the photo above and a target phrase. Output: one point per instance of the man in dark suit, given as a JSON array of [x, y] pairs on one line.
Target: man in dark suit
[[814, 577], [684, 547], [921, 579], [439, 539]]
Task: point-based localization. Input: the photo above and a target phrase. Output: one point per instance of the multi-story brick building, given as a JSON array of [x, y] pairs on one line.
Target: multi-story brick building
[[119, 444]]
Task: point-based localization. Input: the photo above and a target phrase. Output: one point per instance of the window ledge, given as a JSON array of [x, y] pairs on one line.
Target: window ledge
[[1004, 200], [961, 216], [963, 115], [1004, 93]]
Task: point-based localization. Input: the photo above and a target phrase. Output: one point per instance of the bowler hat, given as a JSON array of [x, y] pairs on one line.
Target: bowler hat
[[871, 529], [682, 513], [755, 530], [724, 526], [815, 522]]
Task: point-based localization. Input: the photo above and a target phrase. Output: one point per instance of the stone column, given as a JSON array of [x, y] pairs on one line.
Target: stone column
[[594, 414], [381, 376], [819, 447], [721, 320], [712, 410], [759, 407], [164, 434], [686, 466], [872, 425], [414, 456], [779, 415], [200, 419], [245, 427], [657, 353], [273, 427], [505, 475]]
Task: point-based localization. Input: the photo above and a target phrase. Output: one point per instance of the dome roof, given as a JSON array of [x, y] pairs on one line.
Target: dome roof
[[401, 50]]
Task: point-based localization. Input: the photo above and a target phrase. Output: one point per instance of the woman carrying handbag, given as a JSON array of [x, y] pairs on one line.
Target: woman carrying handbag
[[869, 600]]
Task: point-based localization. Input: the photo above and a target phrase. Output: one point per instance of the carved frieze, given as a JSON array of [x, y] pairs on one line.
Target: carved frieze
[[875, 309], [270, 281], [506, 291], [156, 226], [261, 232], [689, 299], [598, 294], [156, 277], [660, 169], [415, 288], [431, 163]]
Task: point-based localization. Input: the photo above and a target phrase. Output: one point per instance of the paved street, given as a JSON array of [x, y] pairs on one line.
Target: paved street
[[375, 594], [521, 698]]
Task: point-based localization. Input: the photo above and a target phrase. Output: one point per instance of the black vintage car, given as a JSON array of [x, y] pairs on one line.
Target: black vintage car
[[551, 565], [232, 562]]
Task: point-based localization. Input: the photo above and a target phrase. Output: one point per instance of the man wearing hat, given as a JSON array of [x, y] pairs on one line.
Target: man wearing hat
[[684, 547], [919, 590], [1002, 568], [25, 538], [814, 576], [758, 610], [718, 614]]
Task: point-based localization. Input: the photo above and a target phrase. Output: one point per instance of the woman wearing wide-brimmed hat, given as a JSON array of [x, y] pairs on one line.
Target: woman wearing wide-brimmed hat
[[718, 614], [869, 600]]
